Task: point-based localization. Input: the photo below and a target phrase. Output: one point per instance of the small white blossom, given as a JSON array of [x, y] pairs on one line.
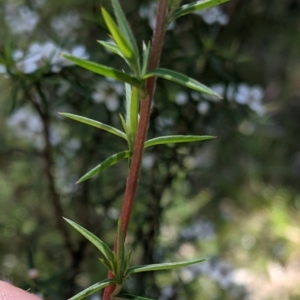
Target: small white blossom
[[252, 96], [37, 56], [242, 95], [200, 230], [113, 213], [107, 92], [20, 19], [203, 107], [26, 125], [213, 15], [40, 55], [60, 62], [26, 120], [79, 51], [163, 124], [181, 98], [222, 273], [17, 54], [166, 293], [147, 161], [66, 24]]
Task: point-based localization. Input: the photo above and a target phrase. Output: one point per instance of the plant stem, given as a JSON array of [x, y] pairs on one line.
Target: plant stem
[[49, 163], [145, 110]]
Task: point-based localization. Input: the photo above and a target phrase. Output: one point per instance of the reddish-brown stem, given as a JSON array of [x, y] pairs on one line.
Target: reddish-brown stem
[[145, 110]]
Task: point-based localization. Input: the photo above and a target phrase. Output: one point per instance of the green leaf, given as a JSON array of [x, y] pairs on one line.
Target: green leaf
[[174, 139], [117, 35], [128, 94], [100, 245], [93, 288], [105, 164], [146, 54], [104, 70], [127, 130], [112, 47], [133, 113], [124, 26], [127, 258], [189, 8], [106, 264], [124, 125], [181, 79], [163, 266], [97, 124]]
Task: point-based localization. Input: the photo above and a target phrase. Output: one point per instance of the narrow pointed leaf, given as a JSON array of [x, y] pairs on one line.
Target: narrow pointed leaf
[[133, 113], [124, 126], [174, 139], [124, 26], [93, 288], [189, 8], [181, 79], [97, 124], [128, 132], [112, 47], [127, 258], [105, 164], [163, 266], [117, 35], [146, 54], [100, 245], [128, 94], [106, 264], [104, 70]]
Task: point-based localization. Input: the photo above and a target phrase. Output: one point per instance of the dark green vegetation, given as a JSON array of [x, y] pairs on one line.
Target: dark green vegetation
[[234, 200]]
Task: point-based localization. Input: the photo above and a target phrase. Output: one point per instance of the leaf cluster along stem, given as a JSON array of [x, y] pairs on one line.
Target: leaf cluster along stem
[[145, 109]]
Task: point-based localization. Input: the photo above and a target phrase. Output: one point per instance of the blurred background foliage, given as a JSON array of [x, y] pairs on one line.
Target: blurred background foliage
[[234, 200]]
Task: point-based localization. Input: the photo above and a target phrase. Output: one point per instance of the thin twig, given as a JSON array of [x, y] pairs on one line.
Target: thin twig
[[49, 163]]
